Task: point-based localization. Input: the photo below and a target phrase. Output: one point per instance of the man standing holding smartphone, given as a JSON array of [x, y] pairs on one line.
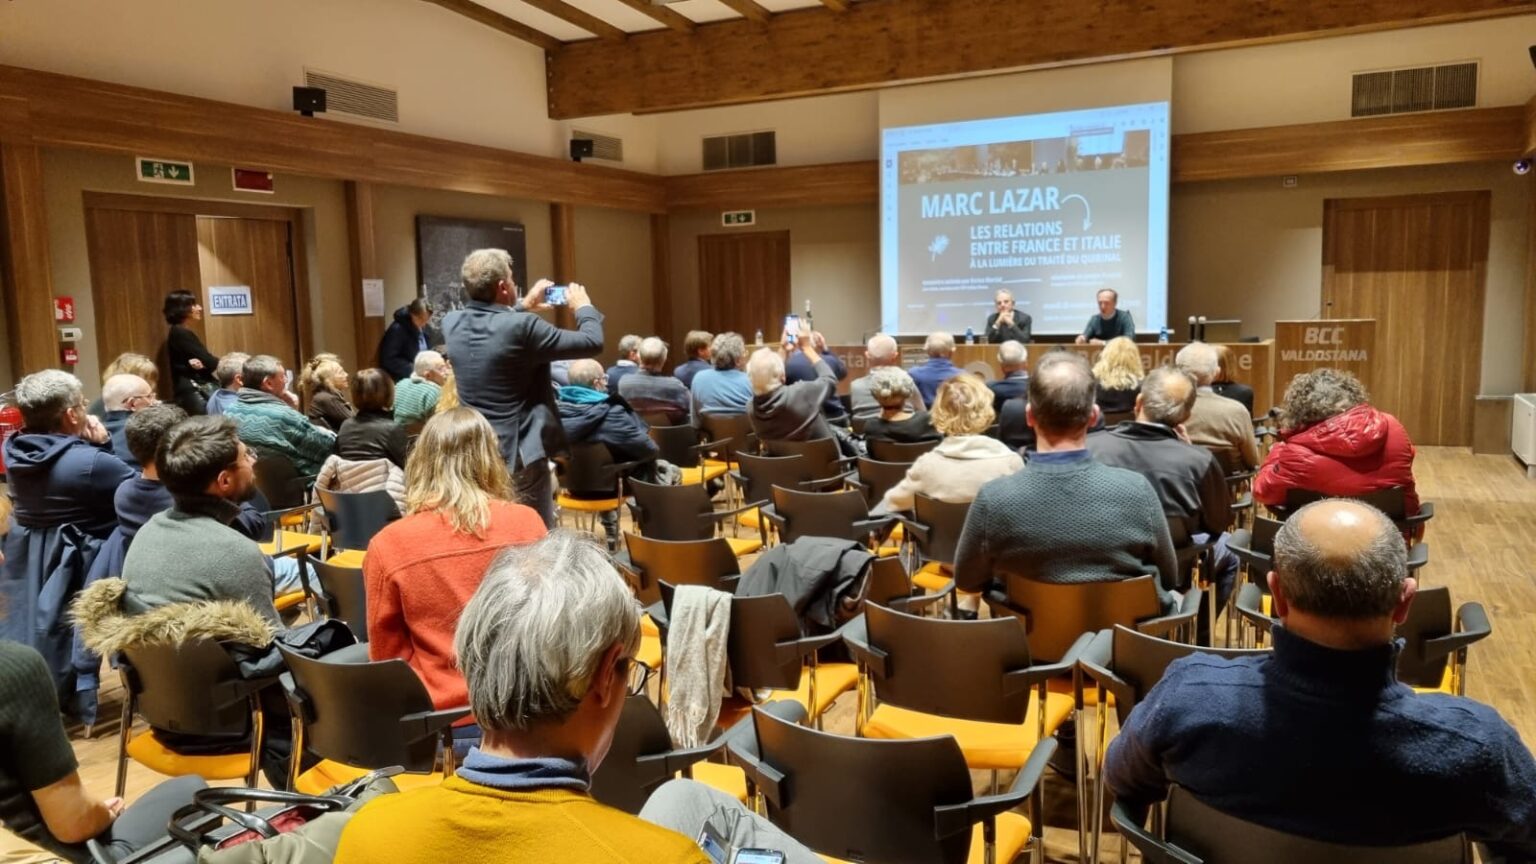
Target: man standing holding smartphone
[[501, 354]]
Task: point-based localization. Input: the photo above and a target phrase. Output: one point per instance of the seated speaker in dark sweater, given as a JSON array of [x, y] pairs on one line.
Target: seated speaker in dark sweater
[[1065, 518], [1318, 738]]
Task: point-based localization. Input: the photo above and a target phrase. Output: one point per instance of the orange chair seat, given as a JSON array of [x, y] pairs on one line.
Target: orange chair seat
[[291, 543], [291, 520], [284, 602], [1090, 692], [648, 627], [348, 558], [587, 505], [726, 778], [888, 551], [147, 750], [1446, 685], [933, 576], [1012, 837], [744, 545], [986, 746], [702, 474], [327, 774], [897, 534], [832, 681], [650, 651], [752, 519]]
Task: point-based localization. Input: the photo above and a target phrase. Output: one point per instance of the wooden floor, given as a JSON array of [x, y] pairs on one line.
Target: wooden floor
[[1482, 544]]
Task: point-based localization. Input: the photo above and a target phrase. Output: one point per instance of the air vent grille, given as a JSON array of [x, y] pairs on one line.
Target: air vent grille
[[749, 150], [603, 146], [345, 96], [1421, 88]]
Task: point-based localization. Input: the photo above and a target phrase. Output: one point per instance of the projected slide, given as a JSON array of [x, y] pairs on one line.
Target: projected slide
[[1053, 207]]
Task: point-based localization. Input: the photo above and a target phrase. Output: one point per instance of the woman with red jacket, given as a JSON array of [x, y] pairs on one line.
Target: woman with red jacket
[[1332, 441]]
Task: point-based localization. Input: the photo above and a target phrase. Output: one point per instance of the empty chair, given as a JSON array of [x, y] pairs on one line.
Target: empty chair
[[591, 482], [895, 802], [711, 563], [933, 533], [680, 445], [875, 478], [280, 482], [683, 513], [757, 475], [341, 594], [729, 435], [352, 518], [361, 716], [886, 450], [842, 515]]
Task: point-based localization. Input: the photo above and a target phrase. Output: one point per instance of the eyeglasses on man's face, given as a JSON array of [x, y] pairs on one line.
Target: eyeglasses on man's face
[[639, 675]]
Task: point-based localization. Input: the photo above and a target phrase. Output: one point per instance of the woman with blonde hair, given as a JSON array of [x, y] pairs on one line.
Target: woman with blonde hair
[[448, 399], [421, 570], [1119, 373], [323, 384]]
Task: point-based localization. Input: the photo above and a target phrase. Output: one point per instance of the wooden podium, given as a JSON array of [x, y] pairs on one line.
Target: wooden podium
[[1348, 344]]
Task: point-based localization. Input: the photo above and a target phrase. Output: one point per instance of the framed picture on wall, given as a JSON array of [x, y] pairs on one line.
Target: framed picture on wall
[[442, 242]]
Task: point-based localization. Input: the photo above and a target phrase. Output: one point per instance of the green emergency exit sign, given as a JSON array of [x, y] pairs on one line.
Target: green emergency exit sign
[[737, 218], [164, 171]]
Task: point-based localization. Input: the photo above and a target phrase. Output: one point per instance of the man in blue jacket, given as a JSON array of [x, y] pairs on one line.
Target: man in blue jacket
[[501, 355], [589, 414], [407, 336]]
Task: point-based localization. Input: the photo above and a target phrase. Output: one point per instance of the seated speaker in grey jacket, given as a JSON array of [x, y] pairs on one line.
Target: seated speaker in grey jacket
[[789, 412]]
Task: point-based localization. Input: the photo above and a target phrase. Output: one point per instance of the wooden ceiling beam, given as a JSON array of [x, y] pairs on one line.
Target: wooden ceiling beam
[[749, 9], [816, 50], [675, 20], [571, 15], [836, 5], [497, 21]]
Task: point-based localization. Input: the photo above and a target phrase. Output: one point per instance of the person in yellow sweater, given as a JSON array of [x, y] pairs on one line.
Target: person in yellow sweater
[[547, 647]]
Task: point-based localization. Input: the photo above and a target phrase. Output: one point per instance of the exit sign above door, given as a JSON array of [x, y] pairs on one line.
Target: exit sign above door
[[164, 171], [738, 218]]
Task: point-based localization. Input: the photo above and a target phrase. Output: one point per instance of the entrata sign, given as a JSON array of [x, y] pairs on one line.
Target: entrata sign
[[230, 300], [1348, 345]]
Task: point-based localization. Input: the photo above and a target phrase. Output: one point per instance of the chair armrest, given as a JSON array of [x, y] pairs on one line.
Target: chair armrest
[[424, 724], [855, 634], [828, 481], [1243, 503], [773, 516], [949, 820], [1095, 662], [1023, 679], [1473, 624], [1250, 605], [913, 528], [875, 524], [714, 515], [1153, 850], [768, 780], [1185, 612], [743, 735], [673, 761], [1426, 513]]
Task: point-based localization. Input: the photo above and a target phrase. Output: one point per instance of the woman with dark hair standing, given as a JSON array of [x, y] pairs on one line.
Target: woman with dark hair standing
[[191, 364]]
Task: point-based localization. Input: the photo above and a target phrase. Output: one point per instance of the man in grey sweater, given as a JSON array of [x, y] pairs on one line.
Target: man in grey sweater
[[1065, 518], [189, 553], [789, 412]]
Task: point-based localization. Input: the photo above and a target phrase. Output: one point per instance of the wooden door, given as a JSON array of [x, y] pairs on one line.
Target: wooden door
[[255, 253], [744, 283], [1416, 264]]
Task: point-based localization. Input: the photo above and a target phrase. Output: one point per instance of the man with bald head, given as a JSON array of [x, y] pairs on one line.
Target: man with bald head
[[121, 396], [653, 389], [589, 414], [1318, 738], [880, 350]]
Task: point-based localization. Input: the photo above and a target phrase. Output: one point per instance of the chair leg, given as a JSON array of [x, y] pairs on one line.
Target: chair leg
[[296, 758], [124, 735], [1080, 760], [258, 728]]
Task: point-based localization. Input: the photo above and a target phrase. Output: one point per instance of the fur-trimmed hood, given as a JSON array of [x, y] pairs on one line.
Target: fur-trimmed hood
[[106, 629]]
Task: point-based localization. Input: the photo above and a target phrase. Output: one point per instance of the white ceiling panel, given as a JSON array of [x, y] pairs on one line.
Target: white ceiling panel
[[787, 5], [541, 21], [618, 15], [702, 11]]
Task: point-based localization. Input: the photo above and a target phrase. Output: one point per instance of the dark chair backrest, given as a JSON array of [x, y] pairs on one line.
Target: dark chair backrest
[[279, 481], [672, 512], [899, 451], [1140, 660], [343, 595], [876, 478], [188, 687], [679, 562], [945, 523], [820, 514], [821, 455], [658, 412], [1430, 617], [352, 711], [1390, 501], [676, 444], [625, 779], [1057, 614], [762, 473], [953, 668], [757, 625], [864, 799], [590, 472], [734, 429], [354, 517], [887, 583]]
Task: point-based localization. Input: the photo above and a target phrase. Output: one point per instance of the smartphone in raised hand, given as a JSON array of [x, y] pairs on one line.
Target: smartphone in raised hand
[[791, 330], [554, 295]]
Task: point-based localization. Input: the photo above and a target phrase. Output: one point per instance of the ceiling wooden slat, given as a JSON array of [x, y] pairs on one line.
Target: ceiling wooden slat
[[815, 50], [836, 5], [571, 15], [496, 20], [748, 9], [664, 14]]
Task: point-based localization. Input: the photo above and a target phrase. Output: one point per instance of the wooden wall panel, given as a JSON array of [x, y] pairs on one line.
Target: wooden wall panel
[[256, 253], [1530, 127], [26, 272], [1530, 286], [817, 50], [744, 282], [661, 278], [794, 186], [363, 263]]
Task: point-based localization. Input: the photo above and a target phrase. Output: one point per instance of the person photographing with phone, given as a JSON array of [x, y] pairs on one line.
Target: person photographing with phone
[[789, 412]]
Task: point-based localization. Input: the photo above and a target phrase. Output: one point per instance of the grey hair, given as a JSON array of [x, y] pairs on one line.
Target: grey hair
[[1367, 583], [1313, 397], [483, 270], [118, 389], [529, 640], [891, 384], [766, 369], [727, 351], [230, 367], [939, 344], [1110, 291], [1200, 360], [1012, 353], [1001, 291], [584, 373], [425, 362], [258, 369], [882, 347], [1160, 398], [653, 353], [45, 397], [1061, 393]]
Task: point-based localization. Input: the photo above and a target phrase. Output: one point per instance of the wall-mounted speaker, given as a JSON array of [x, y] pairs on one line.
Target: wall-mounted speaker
[[309, 100]]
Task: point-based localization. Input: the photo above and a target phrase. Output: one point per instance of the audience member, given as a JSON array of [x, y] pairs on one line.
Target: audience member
[[405, 337], [191, 364], [1334, 442], [1218, 424], [127, 363], [724, 389], [1110, 322], [416, 395], [547, 648], [501, 355], [628, 362], [1013, 358], [880, 350], [652, 391], [420, 571], [696, 346], [123, 395], [227, 375], [938, 368], [1065, 518], [798, 367], [1007, 324], [1346, 753], [893, 388], [448, 399], [1118, 372], [590, 415], [268, 421], [1226, 361], [323, 385], [789, 412], [372, 432]]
